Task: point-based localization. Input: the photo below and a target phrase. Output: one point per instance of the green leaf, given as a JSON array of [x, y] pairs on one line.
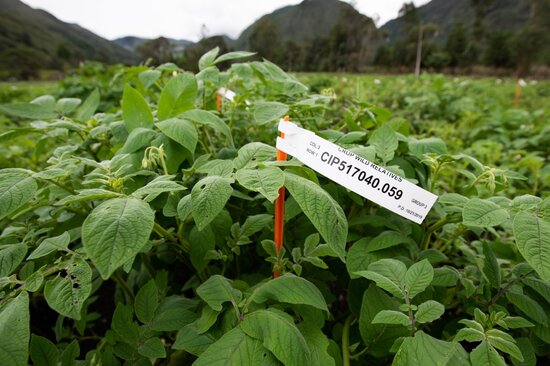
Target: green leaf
[[391, 317], [269, 111], [540, 286], [123, 324], [15, 331], [152, 348], [233, 55], [190, 340], [66, 293], [157, 186], [234, 348], [322, 210], [173, 313], [470, 335], [504, 342], [175, 153], [266, 181], [418, 277], [88, 108], [388, 239], [115, 232], [527, 351], [529, 307], [445, 277], [378, 337], [429, 145], [34, 281], [388, 274], [290, 289], [11, 255], [491, 268], [486, 355], [177, 96], [208, 119], [149, 77], [50, 245], [384, 140], [208, 198], [181, 131], [358, 259], [17, 187], [279, 335], [514, 322], [423, 349], [184, 207], [429, 311], [208, 58], [207, 319], [318, 344], [135, 110], [223, 168], [253, 153], [483, 213], [533, 240], [200, 243], [146, 302], [88, 195], [67, 105], [70, 354], [43, 352], [217, 290], [137, 139], [255, 223], [28, 110]]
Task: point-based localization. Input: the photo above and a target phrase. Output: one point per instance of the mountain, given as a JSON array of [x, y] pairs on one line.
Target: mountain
[[327, 35], [131, 43], [33, 39], [311, 19], [508, 15]]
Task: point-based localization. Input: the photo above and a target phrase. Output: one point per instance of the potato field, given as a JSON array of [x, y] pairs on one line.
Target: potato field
[[138, 204]]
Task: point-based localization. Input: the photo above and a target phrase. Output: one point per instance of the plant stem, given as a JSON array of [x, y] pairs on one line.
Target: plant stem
[[504, 289], [346, 359], [164, 233], [411, 316], [120, 281], [438, 225]]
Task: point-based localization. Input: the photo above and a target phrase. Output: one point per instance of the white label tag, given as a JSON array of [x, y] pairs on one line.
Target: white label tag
[[356, 173]]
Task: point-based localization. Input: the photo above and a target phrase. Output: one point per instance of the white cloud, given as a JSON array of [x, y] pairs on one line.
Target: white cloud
[[183, 19]]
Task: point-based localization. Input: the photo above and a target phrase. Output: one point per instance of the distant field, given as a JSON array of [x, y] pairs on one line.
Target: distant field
[[24, 90]]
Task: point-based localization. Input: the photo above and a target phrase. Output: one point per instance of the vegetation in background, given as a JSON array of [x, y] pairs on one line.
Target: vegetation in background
[[315, 35], [136, 222]]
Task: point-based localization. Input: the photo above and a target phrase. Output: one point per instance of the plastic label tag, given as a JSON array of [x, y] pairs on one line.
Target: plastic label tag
[[357, 174]]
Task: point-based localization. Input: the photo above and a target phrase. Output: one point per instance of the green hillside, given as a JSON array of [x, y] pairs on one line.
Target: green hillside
[[506, 15], [132, 43], [327, 35], [32, 39]]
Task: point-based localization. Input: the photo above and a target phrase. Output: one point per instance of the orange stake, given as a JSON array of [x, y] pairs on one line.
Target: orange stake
[[218, 102], [280, 209]]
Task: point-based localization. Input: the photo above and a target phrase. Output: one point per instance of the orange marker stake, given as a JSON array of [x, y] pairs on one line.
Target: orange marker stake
[[280, 209], [219, 102]]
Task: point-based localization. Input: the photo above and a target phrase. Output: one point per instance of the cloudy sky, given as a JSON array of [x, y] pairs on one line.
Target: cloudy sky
[[183, 19]]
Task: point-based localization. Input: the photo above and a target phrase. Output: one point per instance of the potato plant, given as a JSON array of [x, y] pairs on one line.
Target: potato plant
[[142, 234]]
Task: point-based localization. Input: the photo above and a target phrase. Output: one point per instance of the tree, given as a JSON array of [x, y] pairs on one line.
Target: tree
[[158, 50], [530, 44], [457, 45], [265, 39], [498, 52], [481, 8]]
